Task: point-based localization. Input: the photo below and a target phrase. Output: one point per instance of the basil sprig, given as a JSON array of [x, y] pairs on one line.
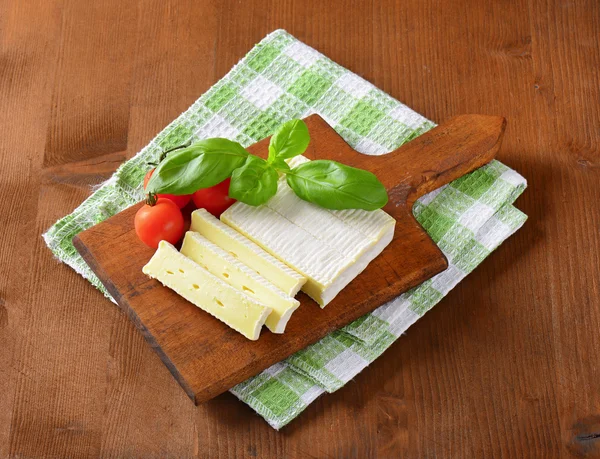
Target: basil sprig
[[254, 181]]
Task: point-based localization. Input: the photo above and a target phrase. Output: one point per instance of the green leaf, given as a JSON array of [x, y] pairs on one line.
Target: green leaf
[[254, 183], [335, 186], [201, 165], [290, 140]]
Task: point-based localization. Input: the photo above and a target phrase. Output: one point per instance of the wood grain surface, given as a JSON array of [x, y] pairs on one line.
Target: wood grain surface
[[505, 366], [206, 356]]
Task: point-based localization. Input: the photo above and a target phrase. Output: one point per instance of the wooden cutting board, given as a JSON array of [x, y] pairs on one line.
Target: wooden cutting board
[[207, 357]]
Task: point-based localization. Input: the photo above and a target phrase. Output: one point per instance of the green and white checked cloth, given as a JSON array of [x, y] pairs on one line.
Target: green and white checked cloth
[[282, 78]]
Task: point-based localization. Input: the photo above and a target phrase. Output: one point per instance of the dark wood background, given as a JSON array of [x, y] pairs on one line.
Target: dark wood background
[[506, 366]]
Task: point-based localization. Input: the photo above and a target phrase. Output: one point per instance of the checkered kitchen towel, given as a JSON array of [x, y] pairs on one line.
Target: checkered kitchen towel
[[282, 78]]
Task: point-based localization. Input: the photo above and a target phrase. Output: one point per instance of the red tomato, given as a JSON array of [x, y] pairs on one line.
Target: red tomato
[[214, 199], [162, 221], [181, 201]]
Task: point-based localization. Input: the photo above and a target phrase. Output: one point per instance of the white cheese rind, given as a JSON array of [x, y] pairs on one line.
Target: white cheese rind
[[373, 224], [356, 268], [327, 272], [288, 242], [269, 267], [206, 291], [320, 223], [238, 275]]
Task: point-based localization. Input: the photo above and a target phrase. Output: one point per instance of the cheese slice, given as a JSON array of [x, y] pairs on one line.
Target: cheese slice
[[203, 289], [247, 252], [238, 275]]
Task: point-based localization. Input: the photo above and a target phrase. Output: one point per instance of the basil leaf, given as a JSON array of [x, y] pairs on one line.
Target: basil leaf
[[201, 165], [336, 186], [290, 140], [254, 183]]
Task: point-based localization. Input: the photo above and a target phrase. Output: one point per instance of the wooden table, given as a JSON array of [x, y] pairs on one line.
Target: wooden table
[[506, 366]]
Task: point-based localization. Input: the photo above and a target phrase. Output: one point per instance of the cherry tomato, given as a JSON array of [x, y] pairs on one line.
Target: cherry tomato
[[214, 199], [162, 221], [181, 201]]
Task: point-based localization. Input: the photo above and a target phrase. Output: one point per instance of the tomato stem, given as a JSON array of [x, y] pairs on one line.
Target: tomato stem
[[151, 199]]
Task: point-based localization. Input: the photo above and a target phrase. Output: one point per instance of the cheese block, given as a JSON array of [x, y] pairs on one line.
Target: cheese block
[[246, 251], [238, 275], [327, 271], [329, 247], [203, 289]]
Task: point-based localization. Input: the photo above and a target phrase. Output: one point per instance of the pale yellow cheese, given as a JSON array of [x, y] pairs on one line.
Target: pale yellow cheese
[[203, 289], [269, 267], [238, 275]]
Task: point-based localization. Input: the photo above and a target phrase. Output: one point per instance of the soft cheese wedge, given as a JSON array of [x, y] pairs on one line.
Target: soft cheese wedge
[[246, 251], [203, 289], [238, 275]]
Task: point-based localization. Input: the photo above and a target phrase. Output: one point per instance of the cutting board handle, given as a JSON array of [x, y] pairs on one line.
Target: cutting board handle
[[455, 148], [447, 152]]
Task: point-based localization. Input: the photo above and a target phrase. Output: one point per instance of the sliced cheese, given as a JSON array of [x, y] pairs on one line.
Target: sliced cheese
[[247, 252], [238, 275], [203, 289]]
